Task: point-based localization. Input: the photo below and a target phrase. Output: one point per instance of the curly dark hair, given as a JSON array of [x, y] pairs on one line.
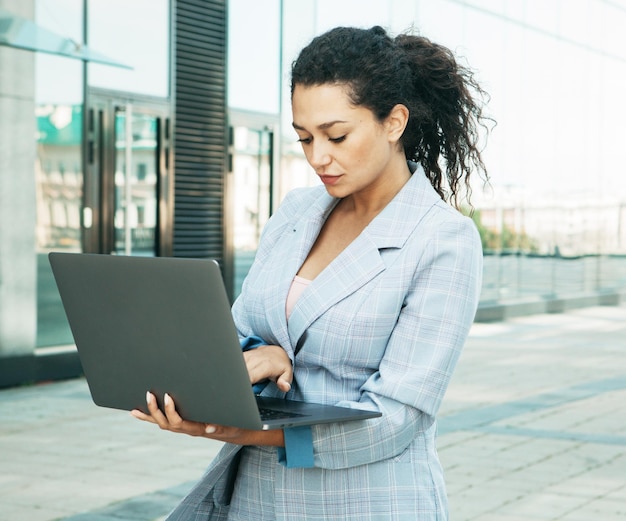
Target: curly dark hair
[[381, 72]]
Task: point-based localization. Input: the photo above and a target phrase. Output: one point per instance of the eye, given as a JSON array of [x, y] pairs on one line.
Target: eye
[[337, 139], [304, 140]]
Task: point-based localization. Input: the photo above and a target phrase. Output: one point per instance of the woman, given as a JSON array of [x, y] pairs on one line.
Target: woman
[[362, 292]]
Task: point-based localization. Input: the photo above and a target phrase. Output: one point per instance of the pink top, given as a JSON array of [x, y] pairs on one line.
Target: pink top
[[298, 285]]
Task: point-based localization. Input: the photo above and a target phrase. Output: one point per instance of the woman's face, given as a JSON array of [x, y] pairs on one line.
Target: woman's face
[[349, 149]]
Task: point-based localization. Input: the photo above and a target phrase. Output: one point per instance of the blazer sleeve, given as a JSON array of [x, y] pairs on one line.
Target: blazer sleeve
[[420, 356]]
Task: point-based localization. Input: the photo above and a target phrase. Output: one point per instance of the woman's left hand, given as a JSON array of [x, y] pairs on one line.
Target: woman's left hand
[[171, 421]]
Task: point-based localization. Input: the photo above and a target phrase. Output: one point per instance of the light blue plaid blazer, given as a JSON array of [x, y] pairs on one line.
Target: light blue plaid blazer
[[381, 327]]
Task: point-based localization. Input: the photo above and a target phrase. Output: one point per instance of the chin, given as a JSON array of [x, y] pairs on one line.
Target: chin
[[334, 191]]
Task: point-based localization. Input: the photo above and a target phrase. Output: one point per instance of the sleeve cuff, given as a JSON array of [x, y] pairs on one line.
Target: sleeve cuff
[[298, 449], [251, 342]]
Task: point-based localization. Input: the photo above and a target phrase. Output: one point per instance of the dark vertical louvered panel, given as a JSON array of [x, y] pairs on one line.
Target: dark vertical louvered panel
[[200, 128]]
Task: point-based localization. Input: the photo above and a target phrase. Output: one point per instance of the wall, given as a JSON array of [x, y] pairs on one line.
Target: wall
[[17, 195]]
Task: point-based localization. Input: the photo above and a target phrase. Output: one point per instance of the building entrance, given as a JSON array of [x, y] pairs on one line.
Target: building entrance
[[128, 183]]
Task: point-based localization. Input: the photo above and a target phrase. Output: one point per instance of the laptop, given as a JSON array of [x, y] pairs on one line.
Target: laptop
[[164, 325]]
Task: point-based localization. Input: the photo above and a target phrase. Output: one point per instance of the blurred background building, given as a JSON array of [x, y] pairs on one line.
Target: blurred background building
[[163, 127]]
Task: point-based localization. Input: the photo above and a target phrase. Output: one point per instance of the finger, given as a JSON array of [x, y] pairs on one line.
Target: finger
[[225, 433], [284, 380], [170, 410], [142, 416], [155, 412], [283, 384], [177, 423]]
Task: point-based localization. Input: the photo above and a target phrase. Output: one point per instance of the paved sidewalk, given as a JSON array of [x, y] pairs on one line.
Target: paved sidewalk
[[533, 428]]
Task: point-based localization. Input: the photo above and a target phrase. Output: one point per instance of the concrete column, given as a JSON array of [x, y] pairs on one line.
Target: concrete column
[[18, 272]]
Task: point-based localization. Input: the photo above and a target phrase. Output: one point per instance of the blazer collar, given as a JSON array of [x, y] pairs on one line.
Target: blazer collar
[[393, 225]]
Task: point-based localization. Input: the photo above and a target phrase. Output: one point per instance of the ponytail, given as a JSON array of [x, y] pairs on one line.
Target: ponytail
[[444, 116]]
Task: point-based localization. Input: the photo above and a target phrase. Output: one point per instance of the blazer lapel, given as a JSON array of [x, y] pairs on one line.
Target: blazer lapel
[[354, 267], [290, 254], [361, 261]]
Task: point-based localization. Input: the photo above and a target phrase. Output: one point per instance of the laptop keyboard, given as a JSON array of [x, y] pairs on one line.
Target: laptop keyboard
[[273, 414]]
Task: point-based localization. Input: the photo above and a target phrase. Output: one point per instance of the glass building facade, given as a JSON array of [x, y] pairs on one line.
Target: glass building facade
[[163, 127]]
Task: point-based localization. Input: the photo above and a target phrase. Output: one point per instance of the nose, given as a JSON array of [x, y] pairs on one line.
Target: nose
[[319, 155]]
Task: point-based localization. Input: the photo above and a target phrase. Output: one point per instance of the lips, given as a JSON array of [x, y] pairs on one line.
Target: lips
[[329, 179]]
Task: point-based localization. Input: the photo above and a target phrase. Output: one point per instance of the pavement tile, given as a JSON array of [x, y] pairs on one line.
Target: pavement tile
[[545, 505]]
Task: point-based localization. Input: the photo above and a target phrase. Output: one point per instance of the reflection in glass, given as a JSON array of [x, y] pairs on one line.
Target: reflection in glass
[[251, 198], [58, 192], [59, 180], [137, 34], [135, 183]]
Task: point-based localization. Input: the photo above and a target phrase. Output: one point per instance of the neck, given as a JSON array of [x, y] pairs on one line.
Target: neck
[[368, 203]]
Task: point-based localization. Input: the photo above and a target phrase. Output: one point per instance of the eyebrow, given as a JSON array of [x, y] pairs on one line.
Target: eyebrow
[[323, 126]]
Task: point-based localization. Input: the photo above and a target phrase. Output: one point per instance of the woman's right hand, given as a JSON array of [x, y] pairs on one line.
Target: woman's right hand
[[269, 362]]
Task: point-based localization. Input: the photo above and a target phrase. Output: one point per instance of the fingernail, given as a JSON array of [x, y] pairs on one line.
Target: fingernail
[[210, 429], [148, 398], [166, 399]]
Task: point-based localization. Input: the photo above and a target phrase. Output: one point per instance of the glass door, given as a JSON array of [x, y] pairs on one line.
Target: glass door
[[135, 198], [128, 186]]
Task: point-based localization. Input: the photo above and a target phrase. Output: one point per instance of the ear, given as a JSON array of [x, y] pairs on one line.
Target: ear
[[396, 122]]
